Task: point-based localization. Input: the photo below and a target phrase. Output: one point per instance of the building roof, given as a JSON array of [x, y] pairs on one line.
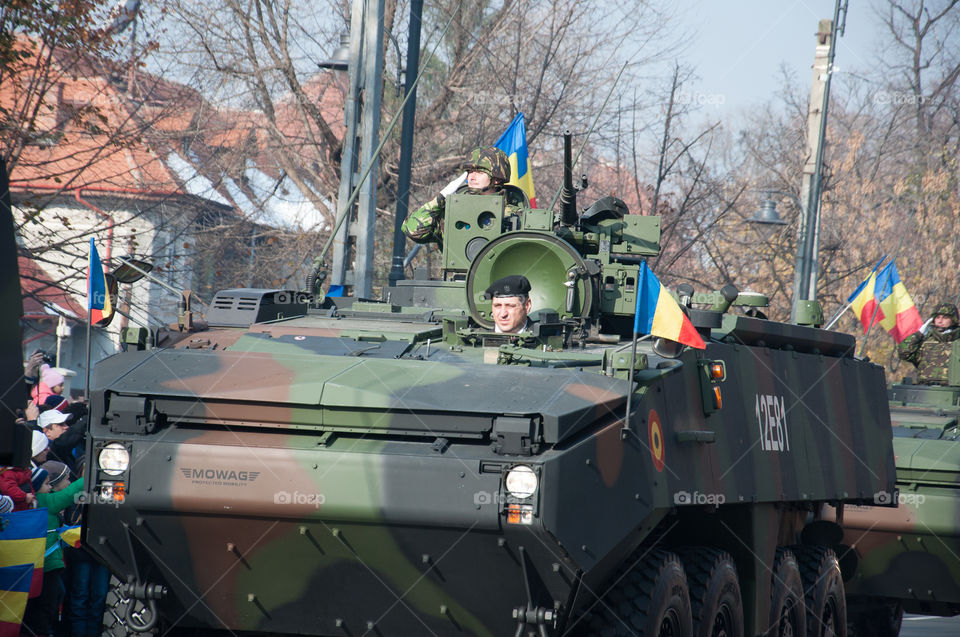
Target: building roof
[[42, 296]]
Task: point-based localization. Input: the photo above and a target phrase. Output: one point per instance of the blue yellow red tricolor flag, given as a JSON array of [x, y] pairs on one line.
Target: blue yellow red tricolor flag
[[896, 312], [23, 540], [98, 298], [898, 315], [14, 589], [863, 301], [514, 143], [658, 314]]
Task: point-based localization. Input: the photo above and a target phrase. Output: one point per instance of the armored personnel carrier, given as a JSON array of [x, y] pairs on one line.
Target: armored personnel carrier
[[399, 468], [908, 556]]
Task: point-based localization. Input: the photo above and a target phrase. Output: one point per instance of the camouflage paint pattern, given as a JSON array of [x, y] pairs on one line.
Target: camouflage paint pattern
[[910, 554], [300, 479], [346, 472]]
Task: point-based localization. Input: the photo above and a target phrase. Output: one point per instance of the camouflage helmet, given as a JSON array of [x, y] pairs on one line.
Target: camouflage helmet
[[948, 309], [490, 160]]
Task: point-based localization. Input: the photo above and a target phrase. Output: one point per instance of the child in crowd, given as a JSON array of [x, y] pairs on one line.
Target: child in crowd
[[17, 482], [56, 494]]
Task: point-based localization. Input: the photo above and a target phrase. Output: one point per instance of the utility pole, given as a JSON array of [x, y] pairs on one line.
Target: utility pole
[[354, 243], [808, 244]]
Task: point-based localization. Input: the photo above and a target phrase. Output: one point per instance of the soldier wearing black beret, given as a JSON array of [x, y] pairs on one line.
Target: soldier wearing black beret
[[511, 303]]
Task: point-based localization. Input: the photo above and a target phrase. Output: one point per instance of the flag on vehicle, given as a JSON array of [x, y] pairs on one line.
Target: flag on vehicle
[[898, 314], [863, 301], [14, 589], [658, 314], [23, 541], [513, 142], [99, 306]]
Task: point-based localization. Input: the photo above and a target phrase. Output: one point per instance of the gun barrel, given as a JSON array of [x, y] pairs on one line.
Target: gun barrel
[[568, 196]]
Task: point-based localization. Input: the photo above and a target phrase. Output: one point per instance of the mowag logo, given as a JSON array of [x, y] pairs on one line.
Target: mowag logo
[[227, 477]]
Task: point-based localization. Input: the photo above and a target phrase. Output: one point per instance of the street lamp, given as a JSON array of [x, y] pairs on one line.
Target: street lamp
[[341, 56]]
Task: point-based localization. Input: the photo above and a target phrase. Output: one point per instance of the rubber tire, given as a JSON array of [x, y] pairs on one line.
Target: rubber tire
[[115, 613], [715, 600], [788, 615], [823, 591], [641, 600], [882, 620]]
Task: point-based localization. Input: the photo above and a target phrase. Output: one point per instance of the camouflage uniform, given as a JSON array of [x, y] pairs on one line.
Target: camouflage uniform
[[425, 224], [930, 353]]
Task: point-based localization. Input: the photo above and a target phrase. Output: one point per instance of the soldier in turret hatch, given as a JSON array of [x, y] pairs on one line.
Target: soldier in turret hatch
[[929, 348], [488, 169], [510, 304]]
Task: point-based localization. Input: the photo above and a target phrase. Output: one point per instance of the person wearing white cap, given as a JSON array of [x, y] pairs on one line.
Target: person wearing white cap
[[53, 423]]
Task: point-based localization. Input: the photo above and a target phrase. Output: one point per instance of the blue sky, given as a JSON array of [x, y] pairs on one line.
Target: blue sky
[[738, 46]]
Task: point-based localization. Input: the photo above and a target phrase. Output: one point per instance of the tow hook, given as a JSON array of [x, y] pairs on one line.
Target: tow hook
[[145, 618], [539, 617]]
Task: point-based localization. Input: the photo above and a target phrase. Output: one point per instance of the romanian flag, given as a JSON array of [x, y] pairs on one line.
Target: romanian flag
[[14, 589], [514, 143], [658, 314], [23, 540], [98, 298], [863, 300], [70, 535], [898, 315]]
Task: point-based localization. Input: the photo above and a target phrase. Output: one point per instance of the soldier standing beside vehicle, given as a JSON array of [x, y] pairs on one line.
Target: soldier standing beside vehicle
[[929, 351], [488, 169]]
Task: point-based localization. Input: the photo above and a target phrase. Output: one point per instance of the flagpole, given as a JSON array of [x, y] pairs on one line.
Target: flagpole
[[86, 382], [836, 317]]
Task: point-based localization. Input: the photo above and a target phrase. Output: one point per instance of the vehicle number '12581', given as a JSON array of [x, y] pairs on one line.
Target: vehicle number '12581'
[[772, 420]]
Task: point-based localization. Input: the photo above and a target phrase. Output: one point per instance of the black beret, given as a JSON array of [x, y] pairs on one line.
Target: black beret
[[515, 285]]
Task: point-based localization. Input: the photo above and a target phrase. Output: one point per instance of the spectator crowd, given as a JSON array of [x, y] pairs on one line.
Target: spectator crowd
[[71, 602]]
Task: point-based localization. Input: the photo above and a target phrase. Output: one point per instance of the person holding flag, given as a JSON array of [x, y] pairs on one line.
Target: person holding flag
[[929, 347]]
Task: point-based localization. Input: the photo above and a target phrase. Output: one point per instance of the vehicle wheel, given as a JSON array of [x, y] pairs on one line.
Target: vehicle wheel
[[882, 619], [116, 612], [788, 616], [650, 599], [823, 588], [715, 601]]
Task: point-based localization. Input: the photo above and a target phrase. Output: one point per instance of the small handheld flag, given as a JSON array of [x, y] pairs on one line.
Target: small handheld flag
[[14, 589], [513, 142], [658, 314], [23, 541], [98, 297]]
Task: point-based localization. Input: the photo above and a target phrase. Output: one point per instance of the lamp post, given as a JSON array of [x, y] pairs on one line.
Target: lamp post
[[808, 243]]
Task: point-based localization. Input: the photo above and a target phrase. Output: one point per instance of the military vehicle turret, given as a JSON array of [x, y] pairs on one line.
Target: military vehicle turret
[[400, 468], [908, 556]]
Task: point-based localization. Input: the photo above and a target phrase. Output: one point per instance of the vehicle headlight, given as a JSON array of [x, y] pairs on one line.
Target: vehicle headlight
[[114, 459], [521, 481]]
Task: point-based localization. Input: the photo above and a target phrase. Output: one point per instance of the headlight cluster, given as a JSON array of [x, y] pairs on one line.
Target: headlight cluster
[[114, 459], [521, 483]]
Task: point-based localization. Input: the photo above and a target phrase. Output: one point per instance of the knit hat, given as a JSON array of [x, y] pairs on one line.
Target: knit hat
[[57, 470], [51, 377], [37, 477], [56, 401], [40, 442], [6, 504]]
